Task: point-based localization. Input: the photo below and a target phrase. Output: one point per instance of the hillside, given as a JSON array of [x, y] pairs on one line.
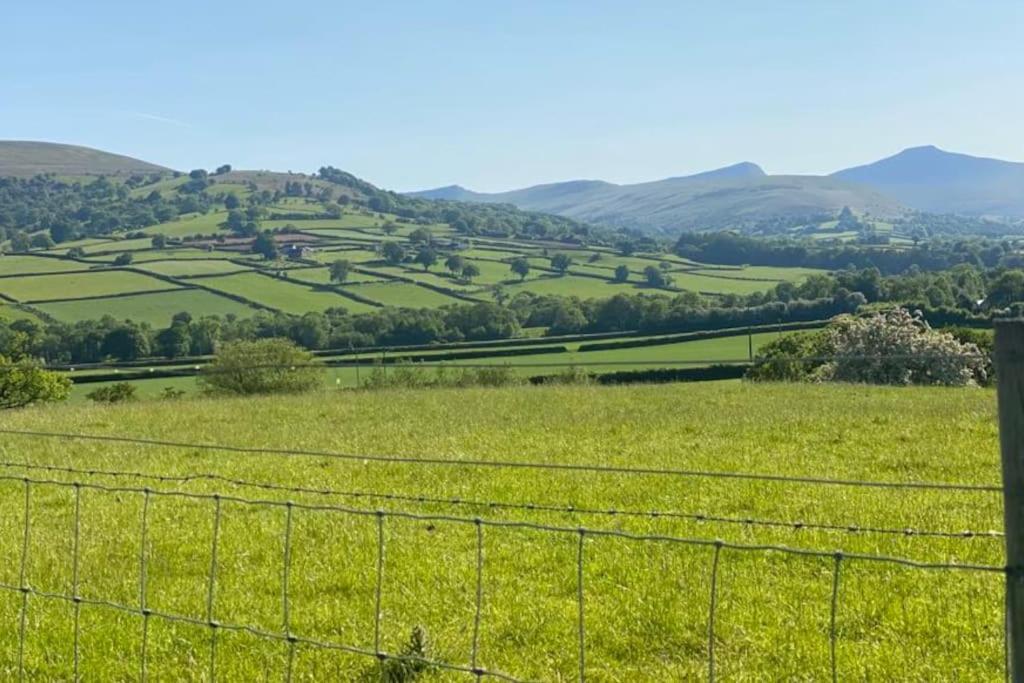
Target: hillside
[[729, 197], [28, 158], [931, 179]]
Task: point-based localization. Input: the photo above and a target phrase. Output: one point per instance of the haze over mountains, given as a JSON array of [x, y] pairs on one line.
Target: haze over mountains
[[919, 178]]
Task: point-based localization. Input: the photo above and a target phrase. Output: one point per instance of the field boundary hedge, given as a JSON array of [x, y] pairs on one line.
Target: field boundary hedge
[[703, 334]]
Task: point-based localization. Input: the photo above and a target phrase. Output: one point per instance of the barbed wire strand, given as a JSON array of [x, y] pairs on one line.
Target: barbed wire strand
[[795, 525], [397, 361], [23, 616], [511, 464], [832, 637], [528, 506], [211, 587], [526, 525], [579, 603], [712, 605], [143, 557]]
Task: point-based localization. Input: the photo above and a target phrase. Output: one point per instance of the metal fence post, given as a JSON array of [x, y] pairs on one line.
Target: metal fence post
[[1009, 352]]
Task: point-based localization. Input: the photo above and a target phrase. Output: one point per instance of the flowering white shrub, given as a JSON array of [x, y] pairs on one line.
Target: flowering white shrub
[[896, 347]]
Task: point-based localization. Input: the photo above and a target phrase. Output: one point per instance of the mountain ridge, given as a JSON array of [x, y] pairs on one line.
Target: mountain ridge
[[31, 157]]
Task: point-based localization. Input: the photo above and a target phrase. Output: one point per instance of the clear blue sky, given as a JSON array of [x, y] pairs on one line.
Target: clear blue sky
[[497, 95]]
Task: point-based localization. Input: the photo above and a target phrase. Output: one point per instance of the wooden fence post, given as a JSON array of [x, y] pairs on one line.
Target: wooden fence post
[[1009, 348]]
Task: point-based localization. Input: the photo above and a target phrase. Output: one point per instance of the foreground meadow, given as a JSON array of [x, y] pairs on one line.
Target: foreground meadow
[[646, 602]]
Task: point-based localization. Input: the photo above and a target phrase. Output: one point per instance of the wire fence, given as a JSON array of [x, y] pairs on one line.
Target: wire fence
[[549, 465], [292, 640], [748, 521]]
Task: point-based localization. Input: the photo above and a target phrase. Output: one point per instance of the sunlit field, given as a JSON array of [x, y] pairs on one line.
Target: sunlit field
[[645, 602]]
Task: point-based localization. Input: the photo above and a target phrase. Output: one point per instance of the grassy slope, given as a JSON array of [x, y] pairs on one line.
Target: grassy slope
[[77, 285], [646, 603], [26, 158]]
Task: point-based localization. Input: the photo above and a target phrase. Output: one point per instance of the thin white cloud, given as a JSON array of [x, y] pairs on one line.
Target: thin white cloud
[[159, 119]]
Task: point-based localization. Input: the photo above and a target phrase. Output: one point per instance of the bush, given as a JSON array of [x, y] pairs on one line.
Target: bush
[[266, 366], [25, 382], [892, 347], [114, 393]]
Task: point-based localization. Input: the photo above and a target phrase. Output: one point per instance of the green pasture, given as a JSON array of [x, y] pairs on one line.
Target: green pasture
[[78, 285], [196, 224], [645, 602], [279, 294], [19, 264], [402, 294], [191, 267], [157, 308]]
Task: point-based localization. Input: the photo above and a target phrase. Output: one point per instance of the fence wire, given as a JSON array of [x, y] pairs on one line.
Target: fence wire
[[794, 525], [293, 640], [512, 464]]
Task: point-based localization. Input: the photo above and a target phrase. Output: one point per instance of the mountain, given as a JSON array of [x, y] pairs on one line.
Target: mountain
[[934, 180], [26, 158], [725, 197]]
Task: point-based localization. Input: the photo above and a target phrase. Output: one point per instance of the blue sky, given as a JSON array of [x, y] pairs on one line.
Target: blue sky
[[498, 95]]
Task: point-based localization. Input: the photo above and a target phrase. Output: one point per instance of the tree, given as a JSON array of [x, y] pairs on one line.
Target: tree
[[175, 341], [159, 241], [20, 242], [123, 259], [221, 170], [265, 245], [25, 382], [392, 252], [421, 236], [455, 264], [470, 271], [339, 270], [561, 263], [622, 273], [389, 228], [521, 267], [76, 252], [121, 392], [1006, 289], [266, 366], [426, 257], [655, 277], [41, 240], [231, 202], [126, 342]]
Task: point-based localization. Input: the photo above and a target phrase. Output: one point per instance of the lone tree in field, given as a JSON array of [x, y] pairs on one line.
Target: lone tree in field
[[656, 277], [265, 366], [521, 267], [24, 382], [426, 257], [470, 271], [622, 273], [561, 263], [389, 227], [265, 245], [455, 264], [392, 252], [124, 259], [421, 236], [158, 241], [339, 270]]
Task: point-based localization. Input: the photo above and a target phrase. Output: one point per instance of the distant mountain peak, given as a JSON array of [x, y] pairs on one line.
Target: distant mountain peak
[[744, 169]]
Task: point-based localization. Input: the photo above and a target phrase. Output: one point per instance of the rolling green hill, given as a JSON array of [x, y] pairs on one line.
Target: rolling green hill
[[27, 158]]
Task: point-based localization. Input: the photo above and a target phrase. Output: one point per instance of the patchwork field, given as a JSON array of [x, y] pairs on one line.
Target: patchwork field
[[79, 285], [643, 583], [157, 308], [191, 259]]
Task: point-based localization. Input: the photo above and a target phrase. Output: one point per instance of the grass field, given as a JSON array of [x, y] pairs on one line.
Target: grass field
[[646, 603], [191, 267], [157, 308], [78, 285], [402, 294], [285, 296], [15, 264]]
